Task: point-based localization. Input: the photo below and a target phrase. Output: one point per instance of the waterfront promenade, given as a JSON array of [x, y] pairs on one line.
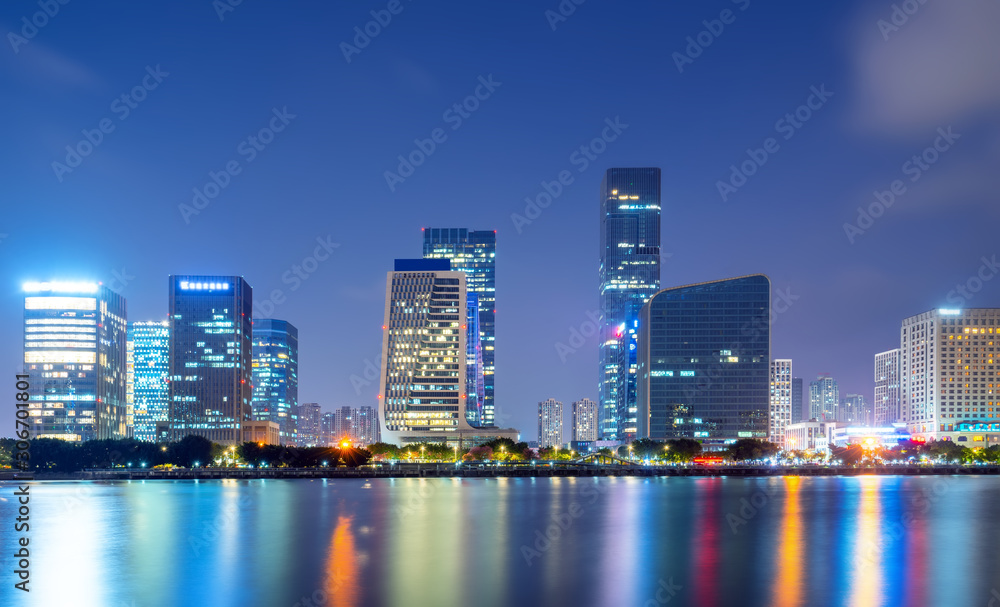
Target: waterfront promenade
[[444, 470]]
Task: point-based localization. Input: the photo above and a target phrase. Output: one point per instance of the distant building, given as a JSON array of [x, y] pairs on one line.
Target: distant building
[[211, 348], [887, 388], [855, 410], [310, 425], [473, 252], [704, 362], [887, 437], [585, 421], [475, 380], [781, 400], [808, 436], [148, 367], [550, 423], [423, 378], [276, 375], [798, 414], [263, 431], [625, 407], [824, 399], [948, 376], [75, 358], [329, 428], [629, 275]]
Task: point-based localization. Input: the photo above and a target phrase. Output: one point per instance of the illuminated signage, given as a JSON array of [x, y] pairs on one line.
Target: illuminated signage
[[187, 285], [687, 373], [61, 287], [949, 312], [661, 373]]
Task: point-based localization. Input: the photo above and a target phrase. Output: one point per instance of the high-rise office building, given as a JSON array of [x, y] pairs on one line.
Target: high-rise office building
[[475, 384], [148, 367], [855, 410], [76, 360], [364, 425], [625, 407], [949, 375], [473, 252], [887, 388], [781, 400], [423, 377], [824, 399], [585, 426], [550, 423], [310, 425], [704, 362], [798, 414], [276, 375], [211, 334], [629, 275]]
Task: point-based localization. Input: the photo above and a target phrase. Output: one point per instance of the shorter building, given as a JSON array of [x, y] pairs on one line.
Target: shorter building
[[781, 400], [855, 410], [148, 366], [887, 395], [824, 399], [268, 433], [808, 436], [550, 423], [798, 414], [310, 425], [585, 421], [888, 437]]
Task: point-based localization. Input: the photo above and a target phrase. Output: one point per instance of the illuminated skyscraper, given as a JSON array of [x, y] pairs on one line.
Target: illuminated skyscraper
[[475, 385], [473, 252], [423, 378], [149, 365], [550, 423], [798, 413], [210, 379], [75, 357], [887, 394], [855, 410], [629, 274], [824, 399], [625, 408], [276, 375], [781, 400], [585, 421], [310, 426], [704, 362]]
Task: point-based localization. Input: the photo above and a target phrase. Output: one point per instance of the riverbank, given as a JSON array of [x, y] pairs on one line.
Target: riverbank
[[487, 471]]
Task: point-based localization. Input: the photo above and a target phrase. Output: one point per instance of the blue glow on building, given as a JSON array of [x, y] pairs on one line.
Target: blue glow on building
[[148, 366], [276, 375]]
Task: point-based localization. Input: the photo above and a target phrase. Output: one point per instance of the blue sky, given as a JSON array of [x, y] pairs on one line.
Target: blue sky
[[343, 124]]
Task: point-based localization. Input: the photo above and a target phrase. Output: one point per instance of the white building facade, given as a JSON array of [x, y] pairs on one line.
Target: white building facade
[[780, 416]]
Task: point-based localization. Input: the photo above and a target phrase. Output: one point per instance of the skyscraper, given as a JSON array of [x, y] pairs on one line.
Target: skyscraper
[[887, 388], [423, 375], [310, 426], [704, 362], [473, 252], [475, 384], [148, 367], [550, 423], [75, 357], [629, 275], [781, 400], [364, 425], [949, 373], [798, 414], [211, 332], [855, 410], [824, 399], [625, 408], [276, 375], [585, 421]]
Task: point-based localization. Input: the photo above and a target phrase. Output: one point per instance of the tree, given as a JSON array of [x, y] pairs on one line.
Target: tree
[[355, 456], [683, 449], [850, 455], [647, 448], [383, 451], [751, 449]]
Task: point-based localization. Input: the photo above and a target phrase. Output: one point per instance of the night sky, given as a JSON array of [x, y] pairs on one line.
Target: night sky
[[213, 82]]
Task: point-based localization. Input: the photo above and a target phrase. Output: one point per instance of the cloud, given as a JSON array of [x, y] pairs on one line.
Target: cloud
[[941, 66]]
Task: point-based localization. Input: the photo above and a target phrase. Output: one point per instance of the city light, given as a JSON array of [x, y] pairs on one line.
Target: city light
[[60, 287]]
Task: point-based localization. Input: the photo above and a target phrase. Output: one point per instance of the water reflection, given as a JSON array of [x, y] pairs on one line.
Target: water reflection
[[342, 566], [865, 581], [787, 580]]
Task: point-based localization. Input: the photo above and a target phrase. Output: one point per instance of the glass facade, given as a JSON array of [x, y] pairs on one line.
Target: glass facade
[[704, 362], [148, 367], [276, 375], [75, 355], [423, 375], [210, 381], [473, 252], [475, 385], [629, 276]]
